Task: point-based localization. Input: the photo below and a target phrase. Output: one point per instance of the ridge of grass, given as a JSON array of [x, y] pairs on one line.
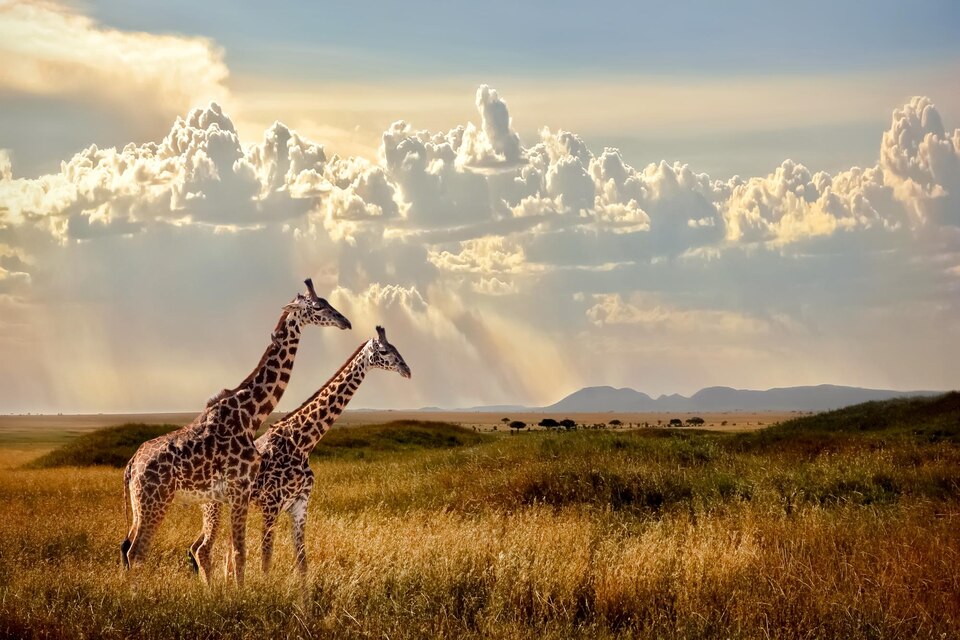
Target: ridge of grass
[[114, 446], [927, 420], [394, 437], [111, 446]]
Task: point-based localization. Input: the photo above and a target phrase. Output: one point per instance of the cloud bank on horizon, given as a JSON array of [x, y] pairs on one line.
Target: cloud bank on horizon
[[147, 276]]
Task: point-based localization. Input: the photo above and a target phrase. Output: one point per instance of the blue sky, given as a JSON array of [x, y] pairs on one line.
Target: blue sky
[[563, 38], [532, 197]]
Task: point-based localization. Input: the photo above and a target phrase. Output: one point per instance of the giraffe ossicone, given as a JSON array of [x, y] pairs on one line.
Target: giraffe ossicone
[[214, 457], [284, 480]]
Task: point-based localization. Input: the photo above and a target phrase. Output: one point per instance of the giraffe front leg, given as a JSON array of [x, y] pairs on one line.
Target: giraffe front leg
[[236, 561], [298, 516], [201, 550], [266, 545]]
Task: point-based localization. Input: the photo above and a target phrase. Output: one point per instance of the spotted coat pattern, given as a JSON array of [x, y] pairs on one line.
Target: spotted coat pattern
[[214, 458], [285, 480]]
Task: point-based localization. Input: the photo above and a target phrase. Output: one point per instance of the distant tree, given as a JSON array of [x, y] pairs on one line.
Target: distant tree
[[517, 425], [659, 422], [549, 423], [675, 422], [723, 424], [504, 420], [568, 424], [695, 421], [615, 423]]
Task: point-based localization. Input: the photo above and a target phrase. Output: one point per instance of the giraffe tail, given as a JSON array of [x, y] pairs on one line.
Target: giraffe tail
[[125, 545], [126, 494]]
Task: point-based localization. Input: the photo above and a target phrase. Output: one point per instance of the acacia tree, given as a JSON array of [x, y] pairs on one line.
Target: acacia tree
[[695, 421], [568, 424], [615, 423], [549, 423], [675, 422], [517, 425]]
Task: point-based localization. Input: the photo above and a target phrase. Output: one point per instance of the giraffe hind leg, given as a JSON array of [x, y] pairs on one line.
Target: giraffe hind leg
[[131, 499], [146, 523]]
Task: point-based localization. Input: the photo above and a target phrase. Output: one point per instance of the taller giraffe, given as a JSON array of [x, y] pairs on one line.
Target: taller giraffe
[[285, 480], [214, 457]]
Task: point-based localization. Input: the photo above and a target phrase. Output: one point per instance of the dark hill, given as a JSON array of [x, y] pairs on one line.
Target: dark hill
[[112, 446]]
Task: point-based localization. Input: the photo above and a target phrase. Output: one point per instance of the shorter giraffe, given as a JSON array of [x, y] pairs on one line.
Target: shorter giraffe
[[285, 480]]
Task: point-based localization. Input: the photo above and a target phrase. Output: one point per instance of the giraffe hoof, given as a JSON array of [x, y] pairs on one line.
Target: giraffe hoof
[[192, 561], [124, 548]]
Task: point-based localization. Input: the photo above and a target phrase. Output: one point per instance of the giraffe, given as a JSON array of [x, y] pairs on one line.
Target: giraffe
[[285, 480], [214, 457]]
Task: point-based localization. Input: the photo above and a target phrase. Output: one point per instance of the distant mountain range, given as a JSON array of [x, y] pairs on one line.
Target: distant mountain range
[[817, 398]]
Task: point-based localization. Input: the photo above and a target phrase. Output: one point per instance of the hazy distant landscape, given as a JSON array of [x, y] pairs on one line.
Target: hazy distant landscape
[[822, 397]]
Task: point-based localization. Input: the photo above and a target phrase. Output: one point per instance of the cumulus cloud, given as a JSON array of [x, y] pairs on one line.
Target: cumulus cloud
[[470, 245], [921, 161], [487, 255], [50, 49], [494, 144]]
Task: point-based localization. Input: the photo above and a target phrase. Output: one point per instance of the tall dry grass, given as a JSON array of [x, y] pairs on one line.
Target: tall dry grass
[[552, 535]]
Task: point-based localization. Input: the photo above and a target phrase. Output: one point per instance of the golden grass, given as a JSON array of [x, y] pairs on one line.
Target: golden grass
[[491, 541]]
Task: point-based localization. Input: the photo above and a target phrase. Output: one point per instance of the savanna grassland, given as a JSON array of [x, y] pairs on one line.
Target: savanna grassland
[[844, 524]]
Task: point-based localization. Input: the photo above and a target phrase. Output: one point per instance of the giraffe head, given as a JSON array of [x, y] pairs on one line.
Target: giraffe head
[[384, 355], [309, 308]]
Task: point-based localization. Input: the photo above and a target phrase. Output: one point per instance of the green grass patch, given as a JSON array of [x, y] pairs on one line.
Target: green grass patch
[[393, 437], [868, 425], [112, 446]]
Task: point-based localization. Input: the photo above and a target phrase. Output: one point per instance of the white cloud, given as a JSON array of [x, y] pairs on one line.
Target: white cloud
[[486, 255], [49, 49], [473, 271], [494, 144]]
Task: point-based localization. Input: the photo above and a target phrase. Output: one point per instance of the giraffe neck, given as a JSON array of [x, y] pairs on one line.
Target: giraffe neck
[[307, 424], [266, 383]]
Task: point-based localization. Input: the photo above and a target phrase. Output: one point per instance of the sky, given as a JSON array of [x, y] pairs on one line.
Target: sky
[[531, 197]]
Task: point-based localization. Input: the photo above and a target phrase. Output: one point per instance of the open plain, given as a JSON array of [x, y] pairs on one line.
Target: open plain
[[842, 524], [48, 430]]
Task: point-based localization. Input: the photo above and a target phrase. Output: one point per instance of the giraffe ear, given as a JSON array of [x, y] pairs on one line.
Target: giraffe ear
[[382, 334]]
